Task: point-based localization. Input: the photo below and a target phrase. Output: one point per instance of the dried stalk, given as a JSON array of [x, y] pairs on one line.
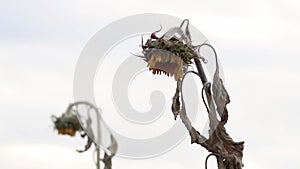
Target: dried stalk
[[229, 153]]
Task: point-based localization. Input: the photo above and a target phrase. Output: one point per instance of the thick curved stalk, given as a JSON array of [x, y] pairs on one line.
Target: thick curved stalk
[[98, 152]]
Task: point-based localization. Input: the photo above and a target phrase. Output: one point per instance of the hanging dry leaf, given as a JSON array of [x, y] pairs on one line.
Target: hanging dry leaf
[[220, 95], [113, 150], [87, 146], [113, 146], [107, 161], [89, 134], [176, 101], [219, 142]]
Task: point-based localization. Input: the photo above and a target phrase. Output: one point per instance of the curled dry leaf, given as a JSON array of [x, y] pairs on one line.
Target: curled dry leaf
[[113, 150], [230, 151], [220, 95], [107, 161], [87, 146], [176, 101], [89, 134], [113, 146]]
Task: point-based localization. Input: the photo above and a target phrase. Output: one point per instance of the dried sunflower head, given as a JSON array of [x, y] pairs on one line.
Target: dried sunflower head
[[161, 61], [170, 57], [67, 124]]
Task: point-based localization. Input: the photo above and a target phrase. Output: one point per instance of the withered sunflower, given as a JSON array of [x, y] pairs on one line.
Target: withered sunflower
[[170, 57], [66, 124]]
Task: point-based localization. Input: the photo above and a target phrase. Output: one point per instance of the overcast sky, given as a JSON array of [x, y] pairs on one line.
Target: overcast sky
[[257, 42]]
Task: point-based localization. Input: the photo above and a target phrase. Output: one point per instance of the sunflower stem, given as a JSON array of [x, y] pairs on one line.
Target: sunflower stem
[[200, 70]]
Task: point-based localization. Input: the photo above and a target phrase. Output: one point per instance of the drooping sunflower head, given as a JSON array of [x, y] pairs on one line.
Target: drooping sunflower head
[[66, 124], [162, 61], [170, 57]]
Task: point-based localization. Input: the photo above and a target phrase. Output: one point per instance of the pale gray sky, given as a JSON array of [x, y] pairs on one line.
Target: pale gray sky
[[257, 43]]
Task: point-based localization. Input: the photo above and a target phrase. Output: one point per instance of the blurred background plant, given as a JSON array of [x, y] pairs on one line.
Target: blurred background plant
[[71, 122]]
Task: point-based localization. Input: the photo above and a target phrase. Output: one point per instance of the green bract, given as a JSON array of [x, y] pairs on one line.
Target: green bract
[[67, 121], [174, 46]]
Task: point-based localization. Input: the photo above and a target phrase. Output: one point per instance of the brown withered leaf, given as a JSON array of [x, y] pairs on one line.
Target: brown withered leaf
[[89, 134], [194, 135], [176, 102], [113, 150], [113, 146], [220, 95], [219, 142], [87, 146], [107, 161], [231, 152]]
